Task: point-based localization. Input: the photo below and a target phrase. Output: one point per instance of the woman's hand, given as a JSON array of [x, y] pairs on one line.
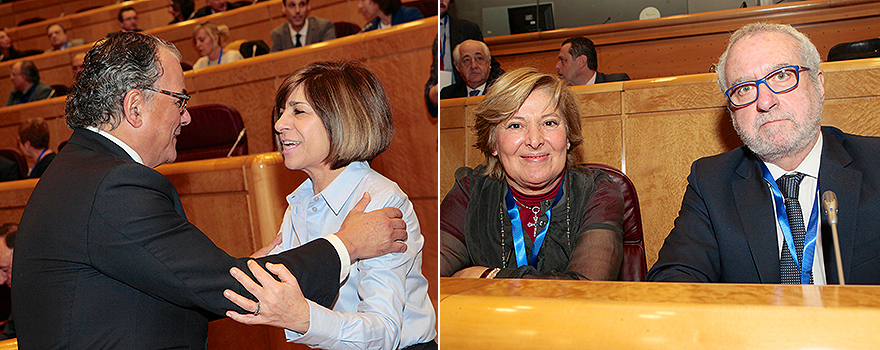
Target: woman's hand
[[470, 272], [280, 304], [268, 248]]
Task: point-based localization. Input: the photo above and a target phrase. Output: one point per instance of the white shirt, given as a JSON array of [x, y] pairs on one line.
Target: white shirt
[[226, 56], [384, 304], [302, 32], [808, 193]]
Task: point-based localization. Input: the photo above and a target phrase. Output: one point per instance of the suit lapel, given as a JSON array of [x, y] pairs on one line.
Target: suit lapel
[[754, 207], [313, 32], [846, 184], [285, 36]]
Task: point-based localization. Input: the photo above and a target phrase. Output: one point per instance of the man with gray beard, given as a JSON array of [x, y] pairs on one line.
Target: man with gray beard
[[752, 215]]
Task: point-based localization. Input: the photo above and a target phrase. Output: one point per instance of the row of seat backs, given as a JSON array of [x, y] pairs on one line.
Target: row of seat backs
[[855, 50], [211, 133], [19, 159], [634, 266]]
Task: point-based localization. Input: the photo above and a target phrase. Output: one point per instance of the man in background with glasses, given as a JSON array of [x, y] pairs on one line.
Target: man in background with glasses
[[105, 257], [753, 214]]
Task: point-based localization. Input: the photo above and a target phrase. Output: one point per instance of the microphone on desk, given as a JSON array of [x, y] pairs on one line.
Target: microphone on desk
[[829, 204], [234, 145]]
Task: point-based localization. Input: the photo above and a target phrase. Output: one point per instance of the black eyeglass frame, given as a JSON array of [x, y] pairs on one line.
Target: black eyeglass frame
[[763, 80], [182, 99]]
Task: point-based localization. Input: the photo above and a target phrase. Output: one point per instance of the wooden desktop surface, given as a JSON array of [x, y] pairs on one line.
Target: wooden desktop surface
[[539, 314]]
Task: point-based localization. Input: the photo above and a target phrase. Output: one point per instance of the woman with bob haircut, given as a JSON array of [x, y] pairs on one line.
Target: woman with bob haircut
[[333, 118], [531, 211]]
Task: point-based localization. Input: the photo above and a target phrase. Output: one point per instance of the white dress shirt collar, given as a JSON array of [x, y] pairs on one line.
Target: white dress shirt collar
[[131, 152]]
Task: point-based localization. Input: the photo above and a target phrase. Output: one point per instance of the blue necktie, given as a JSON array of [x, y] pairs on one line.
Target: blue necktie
[[474, 93], [788, 271]]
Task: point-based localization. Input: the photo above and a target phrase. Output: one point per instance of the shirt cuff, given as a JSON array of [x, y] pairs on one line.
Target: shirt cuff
[[324, 326], [344, 258]]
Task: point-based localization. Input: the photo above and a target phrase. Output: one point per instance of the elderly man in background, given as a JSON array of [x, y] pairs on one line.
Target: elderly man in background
[[26, 85], [118, 264], [472, 59], [751, 215], [577, 63], [58, 38], [300, 29]]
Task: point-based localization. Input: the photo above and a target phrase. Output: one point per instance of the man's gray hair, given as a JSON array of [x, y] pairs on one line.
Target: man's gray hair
[[805, 49], [114, 66], [456, 52]]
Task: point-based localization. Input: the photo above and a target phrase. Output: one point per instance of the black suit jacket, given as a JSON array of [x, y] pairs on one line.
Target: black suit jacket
[[105, 258], [605, 78], [460, 89], [726, 229], [41, 166]]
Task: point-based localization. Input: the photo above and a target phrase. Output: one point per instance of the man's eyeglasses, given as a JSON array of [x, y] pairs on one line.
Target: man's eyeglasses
[[778, 81], [182, 99]]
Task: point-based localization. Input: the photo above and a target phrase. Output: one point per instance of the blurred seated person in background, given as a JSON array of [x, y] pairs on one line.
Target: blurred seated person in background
[[33, 138], [531, 211], [7, 52], [751, 215], [577, 63], [58, 38], [335, 118], [300, 29], [8, 170], [215, 6], [386, 13], [209, 39], [26, 85], [7, 245], [472, 59], [181, 10], [76, 63], [128, 19]]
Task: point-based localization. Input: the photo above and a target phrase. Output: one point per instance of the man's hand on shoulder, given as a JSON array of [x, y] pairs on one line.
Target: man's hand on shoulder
[[368, 235]]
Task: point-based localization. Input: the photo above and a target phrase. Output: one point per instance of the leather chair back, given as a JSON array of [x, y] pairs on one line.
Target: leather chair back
[[345, 28], [634, 266], [19, 159], [854, 50], [211, 133]]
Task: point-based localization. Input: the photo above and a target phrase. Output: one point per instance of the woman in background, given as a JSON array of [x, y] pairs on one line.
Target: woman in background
[[531, 211], [209, 39], [386, 13], [181, 10]]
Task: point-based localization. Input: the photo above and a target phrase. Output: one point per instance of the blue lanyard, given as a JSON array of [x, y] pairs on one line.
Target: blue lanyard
[[812, 229], [519, 245], [221, 56]]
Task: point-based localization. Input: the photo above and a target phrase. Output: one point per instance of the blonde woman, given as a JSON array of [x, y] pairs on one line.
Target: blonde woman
[[209, 39]]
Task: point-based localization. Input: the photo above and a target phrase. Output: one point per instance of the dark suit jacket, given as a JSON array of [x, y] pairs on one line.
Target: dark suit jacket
[[459, 89], [70, 43], [41, 92], [319, 30], [105, 258], [726, 229], [605, 78], [459, 31], [404, 14], [41, 166], [205, 11]]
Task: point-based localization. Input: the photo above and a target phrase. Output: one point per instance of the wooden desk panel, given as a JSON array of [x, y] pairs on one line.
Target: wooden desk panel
[[687, 44], [535, 314]]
